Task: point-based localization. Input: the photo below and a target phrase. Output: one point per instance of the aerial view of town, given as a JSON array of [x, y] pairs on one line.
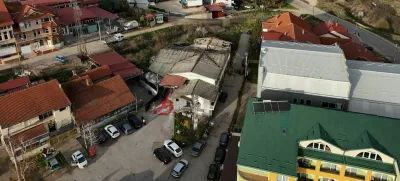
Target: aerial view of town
[[199, 90]]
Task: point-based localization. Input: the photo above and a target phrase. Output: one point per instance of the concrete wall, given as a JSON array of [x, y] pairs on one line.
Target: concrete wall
[[316, 101], [62, 117]]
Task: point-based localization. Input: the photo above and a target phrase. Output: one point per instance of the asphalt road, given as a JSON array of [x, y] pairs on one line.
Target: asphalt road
[[379, 44]]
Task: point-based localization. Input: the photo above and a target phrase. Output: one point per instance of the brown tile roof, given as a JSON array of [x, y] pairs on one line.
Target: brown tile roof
[[100, 99], [75, 85], [292, 32], [173, 81], [284, 20], [329, 27], [97, 73], [23, 13], [5, 17], [331, 41], [29, 134], [13, 84], [31, 102], [118, 64], [355, 51]]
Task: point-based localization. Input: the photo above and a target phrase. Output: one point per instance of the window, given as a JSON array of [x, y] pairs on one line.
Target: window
[[62, 109], [5, 35], [45, 115], [351, 170], [308, 102], [331, 105], [11, 34], [55, 41], [34, 33], [370, 155], [24, 35], [46, 19], [46, 30], [38, 32], [295, 100], [301, 101], [329, 166], [379, 176], [37, 22], [1, 37], [319, 146], [28, 24], [282, 178], [325, 104], [41, 42], [54, 30]]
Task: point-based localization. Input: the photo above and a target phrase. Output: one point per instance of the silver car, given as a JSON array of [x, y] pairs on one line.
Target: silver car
[[179, 168]]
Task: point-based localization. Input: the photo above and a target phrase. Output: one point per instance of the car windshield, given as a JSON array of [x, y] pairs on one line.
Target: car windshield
[[81, 159], [212, 170], [55, 166], [195, 149], [178, 150]]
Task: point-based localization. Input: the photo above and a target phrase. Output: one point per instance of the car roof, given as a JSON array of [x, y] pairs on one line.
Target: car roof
[[174, 146], [53, 161], [198, 144], [179, 165], [111, 128], [126, 126], [77, 153]]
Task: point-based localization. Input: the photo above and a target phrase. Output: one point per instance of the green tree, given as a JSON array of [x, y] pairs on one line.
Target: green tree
[[115, 6]]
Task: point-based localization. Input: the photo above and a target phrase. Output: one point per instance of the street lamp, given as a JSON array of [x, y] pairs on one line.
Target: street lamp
[[394, 52]]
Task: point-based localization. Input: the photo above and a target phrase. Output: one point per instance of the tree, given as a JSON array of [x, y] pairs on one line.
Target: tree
[[115, 6], [238, 3], [88, 134], [272, 3], [25, 164]]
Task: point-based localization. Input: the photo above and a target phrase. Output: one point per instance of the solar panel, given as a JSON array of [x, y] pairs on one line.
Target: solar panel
[[271, 106]]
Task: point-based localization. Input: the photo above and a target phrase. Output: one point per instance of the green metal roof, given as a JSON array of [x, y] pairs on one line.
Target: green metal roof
[[264, 144], [366, 140]]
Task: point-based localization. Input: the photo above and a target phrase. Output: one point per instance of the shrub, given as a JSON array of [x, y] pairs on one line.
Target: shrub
[[382, 23]]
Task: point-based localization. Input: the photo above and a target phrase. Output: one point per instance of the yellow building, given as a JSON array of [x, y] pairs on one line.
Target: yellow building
[[286, 142]]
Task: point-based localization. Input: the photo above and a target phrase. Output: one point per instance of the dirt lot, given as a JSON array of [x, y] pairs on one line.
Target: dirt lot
[[176, 7]]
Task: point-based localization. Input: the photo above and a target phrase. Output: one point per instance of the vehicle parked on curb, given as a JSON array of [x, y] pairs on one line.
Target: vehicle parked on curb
[[162, 155], [101, 137], [53, 164], [61, 59], [79, 160], [131, 25], [219, 155], [224, 139], [197, 148], [112, 131], [173, 148], [213, 172], [135, 121], [179, 168], [115, 38], [222, 97], [126, 128]]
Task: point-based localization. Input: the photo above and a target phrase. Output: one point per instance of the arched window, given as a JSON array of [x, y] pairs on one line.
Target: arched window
[[370, 155], [319, 146]]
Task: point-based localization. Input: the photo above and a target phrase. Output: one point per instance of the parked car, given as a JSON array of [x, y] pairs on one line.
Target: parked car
[[179, 168], [220, 155], [197, 148], [112, 131], [224, 139], [53, 164], [173, 148], [222, 97], [79, 159], [126, 128], [101, 137], [162, 155], [135, 121], [61, 59], [213, 172]]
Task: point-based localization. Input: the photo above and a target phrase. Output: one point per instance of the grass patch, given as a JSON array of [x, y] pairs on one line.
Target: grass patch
[[288, 6], [253, 74]]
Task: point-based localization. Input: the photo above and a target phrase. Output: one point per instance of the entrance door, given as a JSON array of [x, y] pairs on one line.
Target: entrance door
[[49, 42]]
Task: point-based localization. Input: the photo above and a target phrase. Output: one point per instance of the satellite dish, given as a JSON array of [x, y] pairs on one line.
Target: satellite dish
[[21, 24]]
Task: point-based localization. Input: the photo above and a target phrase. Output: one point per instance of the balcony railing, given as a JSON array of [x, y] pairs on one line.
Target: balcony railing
[[354, 175], [31, 38], [327, 170], [305, 164]]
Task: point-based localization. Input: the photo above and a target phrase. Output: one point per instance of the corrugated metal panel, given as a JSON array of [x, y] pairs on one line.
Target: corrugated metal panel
[[375, 108]]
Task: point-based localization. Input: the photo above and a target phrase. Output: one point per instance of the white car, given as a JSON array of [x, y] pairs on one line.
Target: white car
[[173, 148], [79, 159], [112, 131]]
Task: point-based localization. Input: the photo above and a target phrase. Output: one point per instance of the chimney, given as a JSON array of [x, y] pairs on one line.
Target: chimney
[[303, 32], [73, 72], [87, 82], [336, 24], [285, 33]]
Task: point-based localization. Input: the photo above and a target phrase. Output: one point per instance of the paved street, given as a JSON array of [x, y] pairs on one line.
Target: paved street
[[379, 44]]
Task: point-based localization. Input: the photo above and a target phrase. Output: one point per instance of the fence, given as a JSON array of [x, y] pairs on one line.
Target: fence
[[64, 136]]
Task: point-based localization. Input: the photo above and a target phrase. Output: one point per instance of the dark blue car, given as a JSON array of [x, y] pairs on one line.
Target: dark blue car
[[135, 121], [61, 59]]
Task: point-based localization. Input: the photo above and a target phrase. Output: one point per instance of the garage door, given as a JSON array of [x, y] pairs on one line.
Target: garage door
[[26, 49]]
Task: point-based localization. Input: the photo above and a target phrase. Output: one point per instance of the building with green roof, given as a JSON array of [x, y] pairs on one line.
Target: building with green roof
[[310, 143]]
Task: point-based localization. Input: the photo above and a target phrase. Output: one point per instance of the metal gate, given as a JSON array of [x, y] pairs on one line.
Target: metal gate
[[26, 49]]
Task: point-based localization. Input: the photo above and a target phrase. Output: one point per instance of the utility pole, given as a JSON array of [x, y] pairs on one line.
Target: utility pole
[[98, 25], [15, 159], [82, 51], [394, 52]]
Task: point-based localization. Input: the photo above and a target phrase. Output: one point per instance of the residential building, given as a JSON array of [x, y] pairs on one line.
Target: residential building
[[14, 85], [29, 117], [288, 27], [206, 60], [331, 30], [288, 142], [308, 74], [90, 19], [35, 28], [61, 3], [355, 51], [117, 64], [99, 102], [96, 75], [8, 50]]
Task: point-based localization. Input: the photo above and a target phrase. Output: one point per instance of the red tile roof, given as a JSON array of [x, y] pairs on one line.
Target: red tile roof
[[13, 84], [97, 73], [75, 85], [272, 35], [331, 41], [5, 17], [31, 102], [29, 134], [173, 81], [284, 20], [292, 32], [213, 8], [117, 63], [66, 15], [328, 28], [355, 51], [100, 99], [23, 13]]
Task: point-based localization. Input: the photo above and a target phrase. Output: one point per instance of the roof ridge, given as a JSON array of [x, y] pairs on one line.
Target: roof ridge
[[32, 87]]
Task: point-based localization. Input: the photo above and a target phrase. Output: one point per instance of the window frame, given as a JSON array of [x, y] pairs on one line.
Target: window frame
[[282, 178], [368, 155]]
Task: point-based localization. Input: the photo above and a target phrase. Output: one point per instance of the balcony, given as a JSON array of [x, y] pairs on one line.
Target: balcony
[[354, 175], [328, 170], [306, 163], [31, 38], [8, 41]]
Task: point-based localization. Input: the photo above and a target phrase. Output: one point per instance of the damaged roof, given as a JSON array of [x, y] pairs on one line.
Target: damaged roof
[[199, 88]]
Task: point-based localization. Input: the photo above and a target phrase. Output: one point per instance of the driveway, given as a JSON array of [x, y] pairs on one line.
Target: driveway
[[379, 44]]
